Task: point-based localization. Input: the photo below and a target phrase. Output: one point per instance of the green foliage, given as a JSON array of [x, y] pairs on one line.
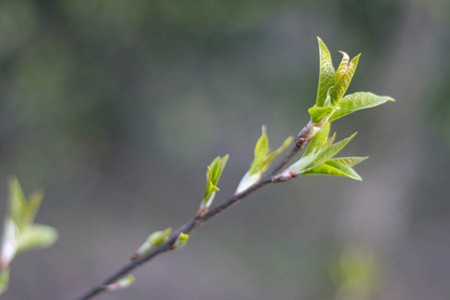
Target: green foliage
[[330, 102], [337, 167], [318, 113], [261, 161], [344, 76], [331, 105], [212, 178], [358, 101], [326, 74], [20, 233], [319, 157]]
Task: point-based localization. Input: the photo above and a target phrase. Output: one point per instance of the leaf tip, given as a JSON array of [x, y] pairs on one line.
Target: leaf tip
[[344, 54]]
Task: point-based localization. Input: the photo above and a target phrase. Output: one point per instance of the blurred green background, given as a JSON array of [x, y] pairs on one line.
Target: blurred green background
[[116, 107]]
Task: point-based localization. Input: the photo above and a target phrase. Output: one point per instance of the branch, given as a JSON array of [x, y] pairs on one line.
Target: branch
[[302, 139]]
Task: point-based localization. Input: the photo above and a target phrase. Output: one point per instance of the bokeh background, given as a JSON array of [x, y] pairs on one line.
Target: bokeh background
[[116, 107]]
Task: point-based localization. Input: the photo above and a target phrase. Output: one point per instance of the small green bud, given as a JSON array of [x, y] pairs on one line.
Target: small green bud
[[181, 241], [153, 240], [121, 284]]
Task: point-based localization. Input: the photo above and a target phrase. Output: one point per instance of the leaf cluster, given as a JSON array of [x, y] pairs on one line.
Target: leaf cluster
[[20, 232], [330, 101], [261, 161], [331, 104], [212, 178], [319, 157]]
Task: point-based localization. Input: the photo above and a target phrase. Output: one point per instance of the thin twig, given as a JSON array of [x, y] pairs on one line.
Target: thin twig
[[195, 223]]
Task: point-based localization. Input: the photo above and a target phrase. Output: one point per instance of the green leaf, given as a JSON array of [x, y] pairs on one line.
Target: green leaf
[[358, 101], [314, 151], [334, 167], [17, 201], [261, 161], [350, 161], [343, 65], [326, 74], [325, 152], [320, 137], [328, 142], [344, 76], [330, 151], [318, 113], [261, 158], [37, 236], [32, 208], [215, 169], [261, 150], [212, 178], [268, 159]]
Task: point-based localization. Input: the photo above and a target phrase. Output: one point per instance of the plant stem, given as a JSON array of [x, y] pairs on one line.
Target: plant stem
[[195, 223]]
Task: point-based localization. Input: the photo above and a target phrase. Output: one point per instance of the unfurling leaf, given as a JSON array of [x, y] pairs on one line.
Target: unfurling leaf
[[330, 151], [318, 154], [153, 240], [320, 137], [181, 240], [318, 113], [37, 236], [19, 233], [338, 167], [358, 101], [261, 161], [326, 74], [17, 201], [212, 178], [344, 76]]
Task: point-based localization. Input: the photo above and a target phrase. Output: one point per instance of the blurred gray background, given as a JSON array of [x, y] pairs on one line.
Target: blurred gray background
[[116, 107]]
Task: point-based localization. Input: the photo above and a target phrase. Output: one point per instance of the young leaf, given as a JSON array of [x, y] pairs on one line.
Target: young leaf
[[181, 240], [212, 178], [268, 159], [334, 167], [323, 153], [343, 65], [326, 74], [261, 160], [343, 77], [358, 101], [37, 236], [261, 150], [32, 208], [320, 137], [330, 151], [17, 201], [318, 113], [350, 161], [153, 240]]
